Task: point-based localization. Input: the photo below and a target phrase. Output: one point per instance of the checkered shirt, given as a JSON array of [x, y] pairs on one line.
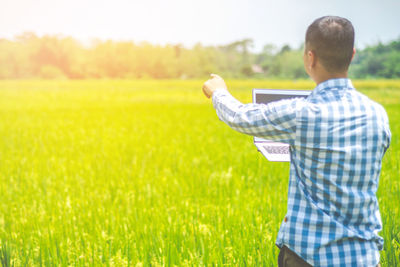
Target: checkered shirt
[[337, 139]]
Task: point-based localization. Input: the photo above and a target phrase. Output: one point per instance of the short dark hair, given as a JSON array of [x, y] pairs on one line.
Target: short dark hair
[[331, 38]]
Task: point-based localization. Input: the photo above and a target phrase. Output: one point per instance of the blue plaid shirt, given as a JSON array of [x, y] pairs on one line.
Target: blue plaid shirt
[[337, 139]]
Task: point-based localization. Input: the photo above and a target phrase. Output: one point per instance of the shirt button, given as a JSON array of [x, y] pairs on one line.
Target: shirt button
[[285, 220]]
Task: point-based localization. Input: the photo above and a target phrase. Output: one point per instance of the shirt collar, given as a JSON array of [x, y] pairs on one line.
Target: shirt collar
[[340, 83]]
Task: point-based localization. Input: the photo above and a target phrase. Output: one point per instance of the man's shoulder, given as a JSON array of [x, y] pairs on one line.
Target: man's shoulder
[[366, 101]]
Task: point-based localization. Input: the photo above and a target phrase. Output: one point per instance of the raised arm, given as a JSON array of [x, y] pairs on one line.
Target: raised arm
[[275, 121]]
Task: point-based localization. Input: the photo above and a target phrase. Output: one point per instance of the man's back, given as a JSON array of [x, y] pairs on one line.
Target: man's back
[[338, 138], [333, 216]]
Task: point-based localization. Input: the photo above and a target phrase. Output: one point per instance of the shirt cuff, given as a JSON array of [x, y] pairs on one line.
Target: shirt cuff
[[216, 94]]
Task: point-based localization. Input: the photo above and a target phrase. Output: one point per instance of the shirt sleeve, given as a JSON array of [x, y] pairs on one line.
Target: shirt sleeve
[[274, 121]]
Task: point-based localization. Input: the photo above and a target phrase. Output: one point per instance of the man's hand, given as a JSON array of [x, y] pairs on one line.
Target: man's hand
[[213, 84]]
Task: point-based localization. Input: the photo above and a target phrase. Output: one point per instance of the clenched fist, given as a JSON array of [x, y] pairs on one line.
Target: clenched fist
[[213, 84]]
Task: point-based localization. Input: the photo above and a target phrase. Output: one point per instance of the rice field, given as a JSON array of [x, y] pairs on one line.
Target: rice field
[[142, 173]]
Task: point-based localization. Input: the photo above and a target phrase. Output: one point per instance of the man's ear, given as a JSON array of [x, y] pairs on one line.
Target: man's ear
[[312, 59], [354, 52]]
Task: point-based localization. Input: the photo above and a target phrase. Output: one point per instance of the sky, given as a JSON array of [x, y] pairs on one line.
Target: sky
[[210, 22]]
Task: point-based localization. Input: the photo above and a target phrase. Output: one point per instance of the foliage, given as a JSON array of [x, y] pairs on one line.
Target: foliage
[[379, 61], [55, 57], [142, 173]]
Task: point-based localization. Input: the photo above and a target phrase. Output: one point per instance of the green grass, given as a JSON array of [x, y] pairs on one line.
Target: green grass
[[140, 173]]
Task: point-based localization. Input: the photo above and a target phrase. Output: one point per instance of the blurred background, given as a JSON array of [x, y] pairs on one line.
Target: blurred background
[[58, 39], [110, 155]]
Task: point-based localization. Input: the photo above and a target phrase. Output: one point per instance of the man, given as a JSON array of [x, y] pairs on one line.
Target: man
[[337, 139]]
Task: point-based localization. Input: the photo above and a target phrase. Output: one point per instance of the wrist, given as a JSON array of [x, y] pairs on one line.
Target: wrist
[[218, 91]]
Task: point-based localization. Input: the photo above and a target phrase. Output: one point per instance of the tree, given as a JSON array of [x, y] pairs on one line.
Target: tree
[[54, 56]]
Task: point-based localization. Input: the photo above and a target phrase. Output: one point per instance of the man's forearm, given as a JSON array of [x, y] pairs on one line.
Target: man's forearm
[[275, 122], [240, 117], [225, 105]]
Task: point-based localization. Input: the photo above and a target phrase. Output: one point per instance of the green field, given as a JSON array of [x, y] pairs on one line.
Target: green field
[[142, 173]]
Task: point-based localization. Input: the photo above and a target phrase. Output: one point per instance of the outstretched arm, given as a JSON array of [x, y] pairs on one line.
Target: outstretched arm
[[275, 121]]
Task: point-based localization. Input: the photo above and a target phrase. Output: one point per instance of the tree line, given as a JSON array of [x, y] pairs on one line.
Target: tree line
[[53, 57]]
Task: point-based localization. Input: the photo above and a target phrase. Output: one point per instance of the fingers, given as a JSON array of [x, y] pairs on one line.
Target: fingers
[[212, 84], [205, 85], [205, 93]]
